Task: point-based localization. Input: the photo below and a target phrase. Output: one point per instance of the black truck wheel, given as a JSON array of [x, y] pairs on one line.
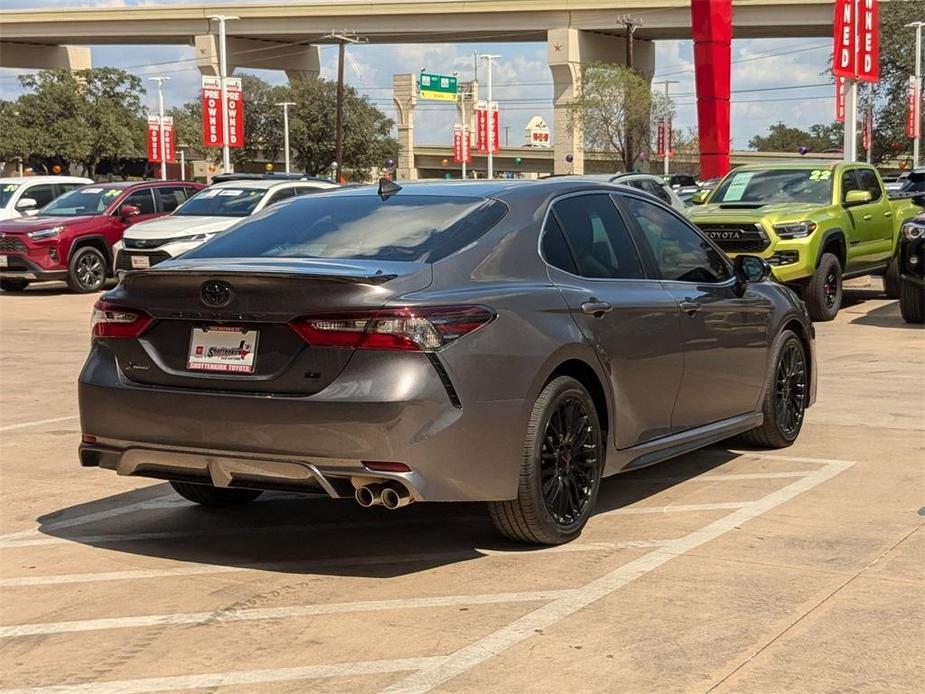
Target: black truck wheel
[[912, 302], [823, 291], [892, 280]]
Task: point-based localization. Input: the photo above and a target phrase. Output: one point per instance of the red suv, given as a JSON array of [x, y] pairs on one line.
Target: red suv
[[72, 237]]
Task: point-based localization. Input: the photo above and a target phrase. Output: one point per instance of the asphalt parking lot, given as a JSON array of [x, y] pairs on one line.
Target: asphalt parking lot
[[727, 570]]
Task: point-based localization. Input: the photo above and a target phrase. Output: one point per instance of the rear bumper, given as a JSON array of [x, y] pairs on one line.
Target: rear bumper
[[400, 414]]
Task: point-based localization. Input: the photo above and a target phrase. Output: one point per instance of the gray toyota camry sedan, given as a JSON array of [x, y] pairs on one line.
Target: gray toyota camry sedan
[[510, 342]]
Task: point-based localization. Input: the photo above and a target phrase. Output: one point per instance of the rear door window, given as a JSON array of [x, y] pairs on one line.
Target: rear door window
[[142, 199], [171, 197]]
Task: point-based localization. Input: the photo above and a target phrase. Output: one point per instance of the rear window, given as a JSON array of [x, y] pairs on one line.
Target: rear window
[[412, 228]]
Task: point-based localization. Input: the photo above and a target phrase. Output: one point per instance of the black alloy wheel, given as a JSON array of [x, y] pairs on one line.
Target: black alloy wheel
[[569, 469], [560, 470], [790, 388], [831, 289], [88, 270]]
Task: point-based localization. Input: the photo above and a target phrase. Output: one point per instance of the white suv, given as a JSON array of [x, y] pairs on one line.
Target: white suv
[[209, 212], [25, 195]]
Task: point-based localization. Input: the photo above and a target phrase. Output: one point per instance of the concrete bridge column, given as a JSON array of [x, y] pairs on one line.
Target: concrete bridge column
[[404, 95], [32, 56], [568, 50], [299, 62]]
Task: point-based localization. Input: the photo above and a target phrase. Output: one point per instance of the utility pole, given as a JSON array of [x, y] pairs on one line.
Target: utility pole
[[182, 165], [223, 74], [630, 24], [918, 85], [667, 83], [489, 60], [850, 146], [286, 105], [160, 123], [342, 38]]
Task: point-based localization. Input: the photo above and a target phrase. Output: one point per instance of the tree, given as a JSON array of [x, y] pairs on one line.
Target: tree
[[367, 130], [84, 116], [782, 138], [613, 107]]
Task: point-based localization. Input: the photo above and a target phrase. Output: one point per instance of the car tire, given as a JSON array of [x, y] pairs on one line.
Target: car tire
[[214, 497], [912, 302], [823, 291], [87, 270], [786, 392], [560, 471], [892, 280], [13, 285]]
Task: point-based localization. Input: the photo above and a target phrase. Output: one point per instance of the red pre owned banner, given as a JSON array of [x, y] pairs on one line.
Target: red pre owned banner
[[914, 109], [212, 112], [458, 147], [170, 145], [154, 140], [486, 138], [857, 49], [867, 130], [840, 99], [235, 112], [660, 139]]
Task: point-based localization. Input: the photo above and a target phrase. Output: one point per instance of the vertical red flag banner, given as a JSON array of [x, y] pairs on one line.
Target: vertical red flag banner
[[669, 138], [212, 112], [154, 140], [857, 40], [867, 127], [481, 127], [495, 135], [235, 111], [170, 144], [914, 109], [458, 147], [840, 99], [660, 141]]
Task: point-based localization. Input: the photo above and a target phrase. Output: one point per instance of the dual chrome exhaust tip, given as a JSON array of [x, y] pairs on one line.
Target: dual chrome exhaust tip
[[391, 495]]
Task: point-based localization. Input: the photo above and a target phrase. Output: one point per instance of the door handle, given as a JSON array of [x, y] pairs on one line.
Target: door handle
[[596, 308], [866, 217], [690, 307], [887, 214]]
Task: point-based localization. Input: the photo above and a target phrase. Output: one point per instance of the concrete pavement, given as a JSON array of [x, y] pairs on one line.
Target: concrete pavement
[[723, 571]]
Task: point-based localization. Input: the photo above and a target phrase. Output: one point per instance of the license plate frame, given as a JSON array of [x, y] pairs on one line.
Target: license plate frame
[[222, 349]]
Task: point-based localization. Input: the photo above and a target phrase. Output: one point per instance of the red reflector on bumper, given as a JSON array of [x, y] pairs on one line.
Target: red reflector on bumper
[[378, 466], [86, 438]]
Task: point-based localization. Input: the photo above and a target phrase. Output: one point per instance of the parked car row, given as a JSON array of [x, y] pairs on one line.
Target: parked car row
[[86, 232]]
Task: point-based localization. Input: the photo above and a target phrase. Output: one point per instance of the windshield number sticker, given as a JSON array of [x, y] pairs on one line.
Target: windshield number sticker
[[92, 190], [230, 193], [111, 193], [10, 187], [736, 189], [820, 175]]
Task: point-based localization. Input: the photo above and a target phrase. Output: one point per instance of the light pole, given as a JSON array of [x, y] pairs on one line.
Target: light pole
[[223, 73], [160, 123], [489, 60], [918, 85], [286, 105], [667, 122]]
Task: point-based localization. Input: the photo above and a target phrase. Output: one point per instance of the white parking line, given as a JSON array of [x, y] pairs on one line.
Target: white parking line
[[676, 508], [239, 678], [308, 565], [274, 612], [491, 645], [732, 477], [37, 422]]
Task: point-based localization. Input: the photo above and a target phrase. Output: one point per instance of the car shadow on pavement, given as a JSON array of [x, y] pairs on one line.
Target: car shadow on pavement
[[300, 534], [886, 316]]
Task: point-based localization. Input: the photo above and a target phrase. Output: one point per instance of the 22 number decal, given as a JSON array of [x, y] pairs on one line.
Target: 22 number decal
[[820, 175]]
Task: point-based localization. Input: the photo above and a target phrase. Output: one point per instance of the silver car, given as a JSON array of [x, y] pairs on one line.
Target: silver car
[[510, 342]]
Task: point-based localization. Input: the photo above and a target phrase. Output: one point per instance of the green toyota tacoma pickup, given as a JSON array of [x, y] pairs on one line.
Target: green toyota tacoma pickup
[[816, 223]]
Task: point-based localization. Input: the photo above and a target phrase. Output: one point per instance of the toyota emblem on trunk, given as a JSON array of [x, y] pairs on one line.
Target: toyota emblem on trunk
[[216, 293]]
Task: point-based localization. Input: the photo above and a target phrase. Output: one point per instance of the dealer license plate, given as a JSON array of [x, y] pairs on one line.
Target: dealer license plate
[[140, 262], [223, 349], [4, 261]]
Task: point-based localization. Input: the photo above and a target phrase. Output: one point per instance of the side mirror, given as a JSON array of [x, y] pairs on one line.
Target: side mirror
[[751, 268], [127, 211], [26, 204], [700, 197], [857, 197]]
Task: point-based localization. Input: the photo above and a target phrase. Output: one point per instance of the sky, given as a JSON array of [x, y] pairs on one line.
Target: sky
[[772, 79]]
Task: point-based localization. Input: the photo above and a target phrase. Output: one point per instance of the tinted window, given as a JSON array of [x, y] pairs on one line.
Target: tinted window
[[42, 194], [223, 202], [849, 182], [680, 252], [870, 183], [142, 199], [554, 248], [280, 194], [597, 237], [68, 187], [171, 197], [656, 189], [402, 227], [88, 200]]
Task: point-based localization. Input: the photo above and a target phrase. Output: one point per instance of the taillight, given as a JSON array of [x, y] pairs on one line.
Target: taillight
[[423, 329], [109, 320]]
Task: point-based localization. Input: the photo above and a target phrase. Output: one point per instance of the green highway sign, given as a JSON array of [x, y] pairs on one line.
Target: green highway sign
[[437, 87]]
